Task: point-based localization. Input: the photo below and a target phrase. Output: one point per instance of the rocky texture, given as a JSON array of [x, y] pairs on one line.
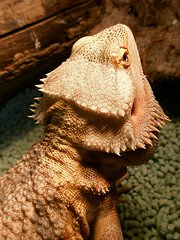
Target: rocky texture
[[156, 28], [151, 210]]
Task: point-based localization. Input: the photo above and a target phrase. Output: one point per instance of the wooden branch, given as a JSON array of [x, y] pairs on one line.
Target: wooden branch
[[37, 29]]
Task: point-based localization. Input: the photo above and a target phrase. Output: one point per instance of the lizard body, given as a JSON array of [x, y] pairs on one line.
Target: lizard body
[[100, 116]]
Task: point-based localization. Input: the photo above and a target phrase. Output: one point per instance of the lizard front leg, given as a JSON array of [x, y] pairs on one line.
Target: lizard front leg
[[107, 224]]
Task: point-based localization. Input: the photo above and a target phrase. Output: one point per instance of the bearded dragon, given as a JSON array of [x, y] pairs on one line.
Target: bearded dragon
[[100, 116]]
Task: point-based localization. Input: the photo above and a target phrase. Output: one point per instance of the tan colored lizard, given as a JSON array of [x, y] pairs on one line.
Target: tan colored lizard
[[100, 116]]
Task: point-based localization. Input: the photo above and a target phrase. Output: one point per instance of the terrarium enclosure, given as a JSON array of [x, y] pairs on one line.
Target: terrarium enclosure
[[37, 35]]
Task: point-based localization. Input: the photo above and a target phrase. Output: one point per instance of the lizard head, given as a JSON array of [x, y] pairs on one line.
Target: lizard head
[[104, 82]]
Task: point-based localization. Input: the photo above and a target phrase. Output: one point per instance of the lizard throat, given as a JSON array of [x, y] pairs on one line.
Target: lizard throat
[[137, 130], [146, 117]]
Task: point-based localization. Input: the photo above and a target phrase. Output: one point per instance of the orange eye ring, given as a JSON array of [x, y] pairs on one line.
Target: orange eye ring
[[122, 58]]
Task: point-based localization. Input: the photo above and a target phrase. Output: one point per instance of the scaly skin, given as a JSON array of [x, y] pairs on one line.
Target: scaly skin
[[100, 116]]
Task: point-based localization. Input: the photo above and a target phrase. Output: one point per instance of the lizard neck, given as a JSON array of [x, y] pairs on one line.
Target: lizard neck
[[82, 168], [66, 134]]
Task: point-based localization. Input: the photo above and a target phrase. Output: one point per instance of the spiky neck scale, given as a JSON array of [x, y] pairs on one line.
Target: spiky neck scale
[[85, 140]]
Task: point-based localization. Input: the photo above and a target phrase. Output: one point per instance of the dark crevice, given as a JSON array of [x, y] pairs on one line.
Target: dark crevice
[[167, 94]]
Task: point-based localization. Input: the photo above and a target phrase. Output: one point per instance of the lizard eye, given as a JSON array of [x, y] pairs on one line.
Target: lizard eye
[[122, 59]]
